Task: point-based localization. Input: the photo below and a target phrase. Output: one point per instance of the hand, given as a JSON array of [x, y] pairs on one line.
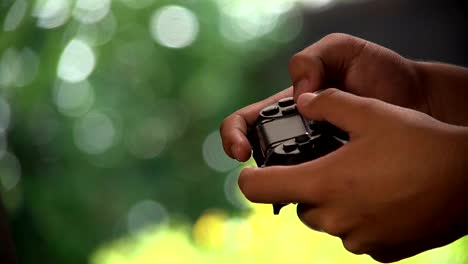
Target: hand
[[233, 129], [359, 67], [342, 61], [397, 188]]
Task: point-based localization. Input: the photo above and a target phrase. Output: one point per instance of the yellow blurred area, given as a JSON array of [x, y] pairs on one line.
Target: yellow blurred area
[[208, 230], [259, 237]]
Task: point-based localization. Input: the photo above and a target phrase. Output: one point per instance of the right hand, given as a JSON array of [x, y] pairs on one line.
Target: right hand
[[397, 188], [342, 61]]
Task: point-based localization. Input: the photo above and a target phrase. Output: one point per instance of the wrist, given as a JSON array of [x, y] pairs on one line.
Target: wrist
[[459, 134], [444, 88]]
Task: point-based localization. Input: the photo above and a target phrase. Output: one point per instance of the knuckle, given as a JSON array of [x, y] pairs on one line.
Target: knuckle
[[368, 105], [223, 132], [229, 123], [227, 120], [332, 226], [223, 135], [223, 125], [354, 246], [337, 38], [341, 41], [296, 61], [306, 216]]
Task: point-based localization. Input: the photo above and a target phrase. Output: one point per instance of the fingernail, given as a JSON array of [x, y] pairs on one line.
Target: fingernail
[[236, 152]]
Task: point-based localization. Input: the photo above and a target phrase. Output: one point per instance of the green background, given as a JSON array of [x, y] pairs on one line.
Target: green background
[[109, 143]]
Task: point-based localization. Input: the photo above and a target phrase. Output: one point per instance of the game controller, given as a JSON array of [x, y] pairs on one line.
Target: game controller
[[281, 136]]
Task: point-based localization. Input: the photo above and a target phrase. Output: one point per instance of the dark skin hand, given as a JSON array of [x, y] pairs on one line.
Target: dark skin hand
[[400, 187]]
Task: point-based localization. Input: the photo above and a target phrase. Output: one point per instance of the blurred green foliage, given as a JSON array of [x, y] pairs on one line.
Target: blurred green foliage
[[108, 128], [92, 146]]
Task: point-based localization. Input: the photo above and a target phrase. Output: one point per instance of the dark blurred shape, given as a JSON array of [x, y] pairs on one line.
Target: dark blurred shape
[[7, 251], [419, 29]]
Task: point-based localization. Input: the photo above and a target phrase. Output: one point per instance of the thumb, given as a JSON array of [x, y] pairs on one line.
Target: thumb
[[303, 183], [344, 110]]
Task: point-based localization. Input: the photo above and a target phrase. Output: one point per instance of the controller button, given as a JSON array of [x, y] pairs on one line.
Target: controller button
[[286, 102], [289, 110], [271, 110], [289, 147], [302, 138]]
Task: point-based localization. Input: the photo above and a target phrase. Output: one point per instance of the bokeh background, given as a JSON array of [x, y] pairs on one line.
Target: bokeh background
[[109, 116]]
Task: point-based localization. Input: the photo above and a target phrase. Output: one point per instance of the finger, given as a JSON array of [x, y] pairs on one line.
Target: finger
[[344, 110], [326, 61], [303, 183], [277, 184], [307, 74], [233, 129]]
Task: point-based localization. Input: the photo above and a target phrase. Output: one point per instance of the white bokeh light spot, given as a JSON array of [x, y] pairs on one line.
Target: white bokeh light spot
[[76, 62], [91, 11], [98, 33], [3, 144], [249, 20], [317, 4], [4, 115], [10, 171], [174, 26], [29, 67], [10, 67], [74, 99], [15, 15], [51, 13], [232, 191], [148, 139], [144, 214], [94, 133], [18, 68], [214, 155]]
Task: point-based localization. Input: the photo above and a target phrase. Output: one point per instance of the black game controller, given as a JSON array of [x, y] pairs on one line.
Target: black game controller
[[281, 136]]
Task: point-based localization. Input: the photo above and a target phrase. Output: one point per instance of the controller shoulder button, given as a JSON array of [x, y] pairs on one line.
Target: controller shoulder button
[[270, 110], [285, 102]]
